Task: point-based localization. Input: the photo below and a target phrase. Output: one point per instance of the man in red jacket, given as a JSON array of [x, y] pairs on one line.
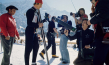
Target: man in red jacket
[[8, 28]]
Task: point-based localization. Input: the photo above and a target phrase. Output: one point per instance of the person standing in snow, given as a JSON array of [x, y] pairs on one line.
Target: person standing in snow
[[100, 20], [9, 32], [51, 39], [63, 41], [31, 38]]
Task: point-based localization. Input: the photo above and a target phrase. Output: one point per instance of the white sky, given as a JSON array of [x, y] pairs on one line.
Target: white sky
[[65, 4], [68, 6]]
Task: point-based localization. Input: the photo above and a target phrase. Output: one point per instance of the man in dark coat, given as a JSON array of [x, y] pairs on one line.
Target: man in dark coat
[[100, 16], [86, 36], [51, 38], [31, 38]]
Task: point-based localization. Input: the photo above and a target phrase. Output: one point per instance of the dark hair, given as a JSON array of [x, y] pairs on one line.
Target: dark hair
[[8, 10], [95, 0], [36, 3], [81, 9], [62, 17], [53, 18], [85, 19]]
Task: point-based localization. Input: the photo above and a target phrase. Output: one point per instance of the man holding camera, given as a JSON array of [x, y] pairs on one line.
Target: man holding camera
[[86, 36], [100, 18], [81, 14], [31, 39], [51, 38], [63, 41]]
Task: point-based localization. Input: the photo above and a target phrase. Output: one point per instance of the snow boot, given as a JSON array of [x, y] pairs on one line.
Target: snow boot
[[64, 62], [61, 59], [42, 55], [34, 64], [54, 56]]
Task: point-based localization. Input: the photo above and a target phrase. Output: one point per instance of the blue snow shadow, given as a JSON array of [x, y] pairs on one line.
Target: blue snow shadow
[[42, 62], [51, 60], [63, 64], [1, 52]]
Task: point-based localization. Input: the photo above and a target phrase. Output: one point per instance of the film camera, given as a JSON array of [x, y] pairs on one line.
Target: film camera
[[47, 16], [76, 14]]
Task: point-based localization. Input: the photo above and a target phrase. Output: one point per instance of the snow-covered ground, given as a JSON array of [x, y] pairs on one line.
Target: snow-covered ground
[[17, 57]]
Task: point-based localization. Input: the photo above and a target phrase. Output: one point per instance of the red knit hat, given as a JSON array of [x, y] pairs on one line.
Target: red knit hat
[[38, 1]]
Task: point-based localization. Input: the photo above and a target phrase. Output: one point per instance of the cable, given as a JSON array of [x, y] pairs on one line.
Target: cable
[[74, 6]]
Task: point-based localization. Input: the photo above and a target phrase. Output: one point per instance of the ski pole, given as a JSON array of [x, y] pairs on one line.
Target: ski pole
[[43, 38]]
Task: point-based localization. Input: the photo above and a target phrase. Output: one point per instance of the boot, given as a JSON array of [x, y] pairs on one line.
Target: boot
[[34, 64], [54, 56], [42, 55], [64, 63], [61, 59]]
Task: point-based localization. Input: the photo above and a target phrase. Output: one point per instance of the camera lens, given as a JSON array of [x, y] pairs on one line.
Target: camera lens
[[71, 14]]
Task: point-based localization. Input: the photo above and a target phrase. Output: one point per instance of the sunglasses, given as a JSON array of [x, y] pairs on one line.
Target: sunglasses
[[90, 0]]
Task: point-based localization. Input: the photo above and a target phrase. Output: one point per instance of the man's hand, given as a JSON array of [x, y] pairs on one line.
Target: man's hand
[[40, 25], [66, 32], [62, 20], [79, 22], [18, 37], [87, 46], [73, 15], [93, 9], [57, 35], [7, 38], [88, 22]]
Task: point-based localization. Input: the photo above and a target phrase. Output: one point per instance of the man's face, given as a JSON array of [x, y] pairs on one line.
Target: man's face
[[84, 24], [12, 11], [65, 18], [81, 12], [38, 5], [93, 3]]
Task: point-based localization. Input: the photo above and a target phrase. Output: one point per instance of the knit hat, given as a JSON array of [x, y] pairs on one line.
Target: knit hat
[[38, 1]]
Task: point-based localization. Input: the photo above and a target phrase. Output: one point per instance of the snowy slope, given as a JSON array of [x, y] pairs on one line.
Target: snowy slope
[[17, 56]]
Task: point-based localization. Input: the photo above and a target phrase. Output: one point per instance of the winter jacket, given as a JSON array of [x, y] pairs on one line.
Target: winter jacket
[[62, 30], [32, 24], [87, 37], [8, 25], [101, 16], [84, 16]]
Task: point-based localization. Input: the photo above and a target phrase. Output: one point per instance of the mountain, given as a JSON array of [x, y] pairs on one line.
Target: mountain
[[24, 5], [2, 9]]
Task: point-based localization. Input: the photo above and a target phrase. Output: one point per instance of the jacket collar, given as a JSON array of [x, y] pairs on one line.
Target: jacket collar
[[96, 3], [34, 8]]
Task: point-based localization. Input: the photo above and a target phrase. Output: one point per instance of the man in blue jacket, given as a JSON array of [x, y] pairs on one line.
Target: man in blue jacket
[[31, 39]]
